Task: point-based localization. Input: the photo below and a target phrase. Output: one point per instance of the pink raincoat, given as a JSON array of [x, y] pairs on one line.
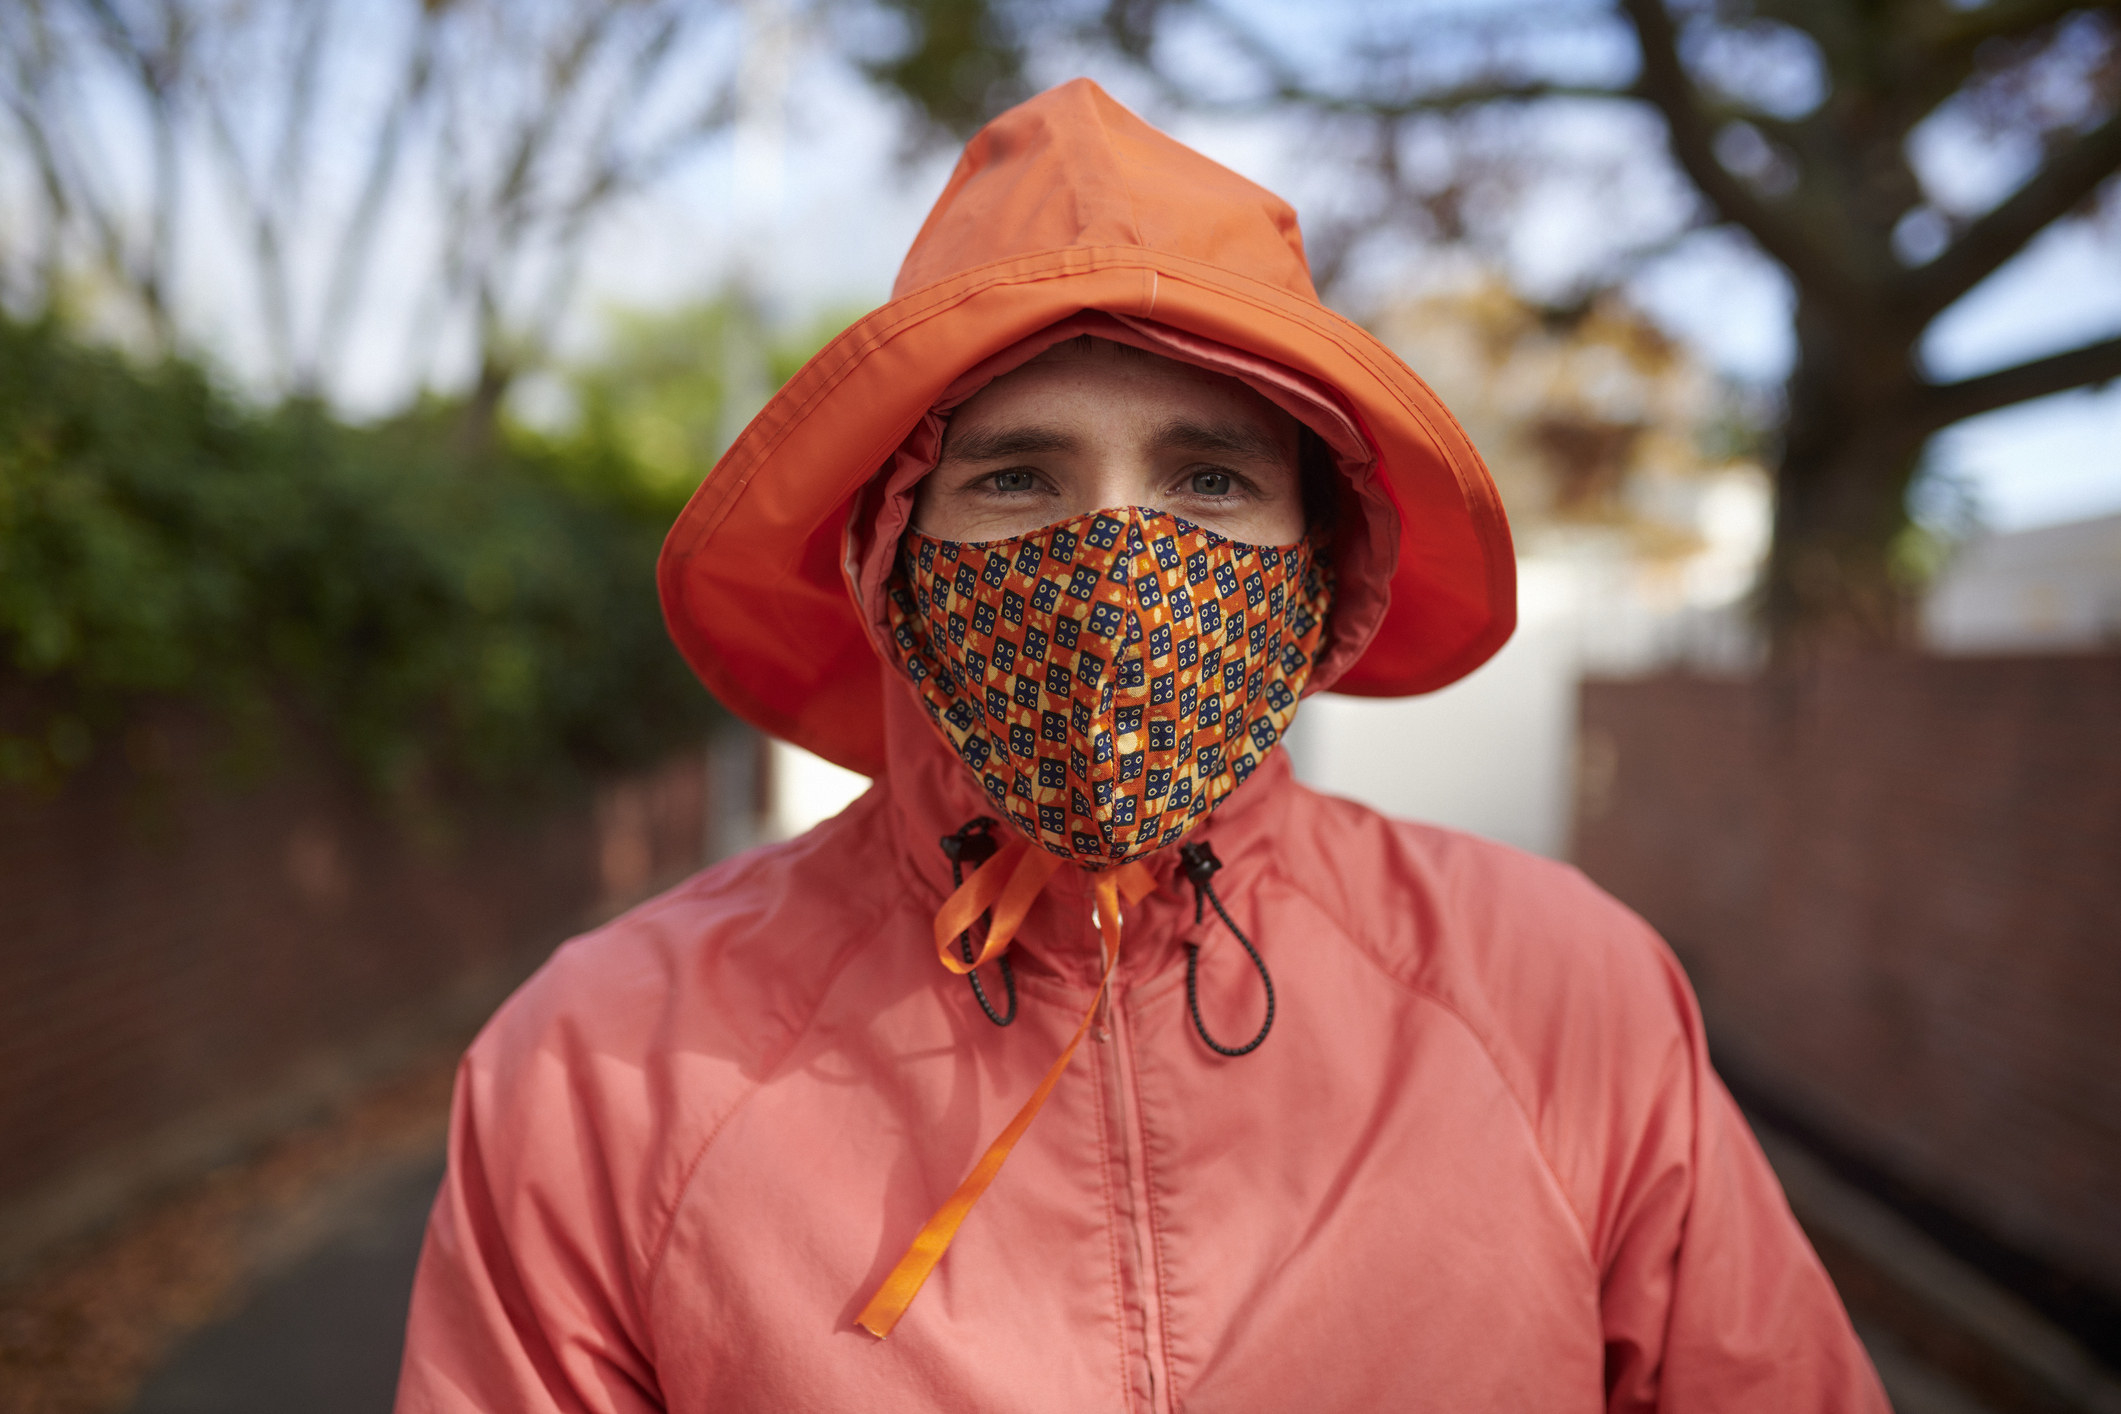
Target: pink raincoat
[[1481, 1163]]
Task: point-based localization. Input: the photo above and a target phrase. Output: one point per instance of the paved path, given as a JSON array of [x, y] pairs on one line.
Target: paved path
[[322, 1335]]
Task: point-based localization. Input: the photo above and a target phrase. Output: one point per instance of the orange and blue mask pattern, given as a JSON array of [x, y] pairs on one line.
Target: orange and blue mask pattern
[[1109, 679]]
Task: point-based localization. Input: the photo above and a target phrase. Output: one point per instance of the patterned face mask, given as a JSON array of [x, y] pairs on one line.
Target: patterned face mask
[[1110, 678]]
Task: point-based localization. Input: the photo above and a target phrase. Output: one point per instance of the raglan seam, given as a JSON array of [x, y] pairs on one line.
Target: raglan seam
[[1487, 1051], [667, 1225]]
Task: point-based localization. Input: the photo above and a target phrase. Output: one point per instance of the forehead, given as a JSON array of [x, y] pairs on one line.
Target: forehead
[[1087, 377]]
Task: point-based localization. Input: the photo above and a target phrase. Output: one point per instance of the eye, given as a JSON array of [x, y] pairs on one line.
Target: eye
[[1209, 483], [1012, 482]]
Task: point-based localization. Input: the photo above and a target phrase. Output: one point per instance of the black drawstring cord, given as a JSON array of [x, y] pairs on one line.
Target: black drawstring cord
[[974, 844], [1198, 863]]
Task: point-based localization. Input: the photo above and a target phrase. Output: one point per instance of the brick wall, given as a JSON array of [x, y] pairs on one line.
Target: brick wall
[[186, 958], [1897, 887]]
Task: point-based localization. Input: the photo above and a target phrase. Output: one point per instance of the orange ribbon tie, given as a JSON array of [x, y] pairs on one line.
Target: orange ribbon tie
[[1010, 898], [1009, 884]]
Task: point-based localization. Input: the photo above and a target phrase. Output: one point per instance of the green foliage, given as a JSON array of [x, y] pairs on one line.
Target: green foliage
[[491, 616], [961, 65], [671, 389]]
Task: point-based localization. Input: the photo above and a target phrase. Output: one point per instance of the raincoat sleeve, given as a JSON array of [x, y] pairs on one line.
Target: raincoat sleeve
[[526, 1297], [1712, 1298]]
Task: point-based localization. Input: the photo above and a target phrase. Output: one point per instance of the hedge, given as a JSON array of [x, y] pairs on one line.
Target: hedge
[[487, 614]]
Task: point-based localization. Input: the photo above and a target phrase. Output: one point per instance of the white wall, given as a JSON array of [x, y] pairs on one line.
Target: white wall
[[1490, 754], [805, 789], [2057, 588]]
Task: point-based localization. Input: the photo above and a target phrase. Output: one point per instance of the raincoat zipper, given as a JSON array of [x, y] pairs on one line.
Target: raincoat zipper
[[1142, 1324]]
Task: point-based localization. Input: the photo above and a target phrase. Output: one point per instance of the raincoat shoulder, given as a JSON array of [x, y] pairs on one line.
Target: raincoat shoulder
[[1710, 1295], [1553, 974], [586, 1103]]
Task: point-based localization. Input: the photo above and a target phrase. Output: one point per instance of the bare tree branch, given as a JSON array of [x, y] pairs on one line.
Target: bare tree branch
[[350, 256], [57, 134], [1664, 84], [506, 134], [1946, 403], [157, 67], [1952, 31], [511, 223], [2068, 178], [611, 172], [1480, 94], [1289, 88], [28, 102], [289, 183], [261, 218]]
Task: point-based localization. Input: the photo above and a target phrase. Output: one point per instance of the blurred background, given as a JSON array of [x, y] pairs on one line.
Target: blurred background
[[354, 357]]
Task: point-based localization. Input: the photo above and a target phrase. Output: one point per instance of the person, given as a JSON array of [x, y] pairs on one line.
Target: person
[[1089, 1060]]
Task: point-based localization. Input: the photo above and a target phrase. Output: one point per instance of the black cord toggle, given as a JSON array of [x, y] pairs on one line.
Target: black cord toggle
[[1199, 865], [974, 844]]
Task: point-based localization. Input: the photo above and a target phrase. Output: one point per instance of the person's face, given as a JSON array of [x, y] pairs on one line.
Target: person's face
[[1090, 426]]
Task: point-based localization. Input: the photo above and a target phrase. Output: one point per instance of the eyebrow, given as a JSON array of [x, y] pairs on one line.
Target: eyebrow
[[1228, 438], [981, 446], [1241, 439]]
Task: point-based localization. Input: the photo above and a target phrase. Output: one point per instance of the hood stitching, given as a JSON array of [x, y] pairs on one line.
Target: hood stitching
[[1115, 173]]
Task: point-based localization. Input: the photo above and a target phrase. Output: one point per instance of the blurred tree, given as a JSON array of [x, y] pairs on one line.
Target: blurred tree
[[669, 389], [960, 61], [445, 159], [1630, 470], [445, 616], [1594, 418], [1800, 122]]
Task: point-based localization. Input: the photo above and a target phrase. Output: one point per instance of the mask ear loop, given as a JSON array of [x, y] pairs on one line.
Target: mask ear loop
[[1198, 863], [974, 844]]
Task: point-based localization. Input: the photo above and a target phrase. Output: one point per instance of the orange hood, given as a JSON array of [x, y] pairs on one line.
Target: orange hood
[[1064, 206]]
